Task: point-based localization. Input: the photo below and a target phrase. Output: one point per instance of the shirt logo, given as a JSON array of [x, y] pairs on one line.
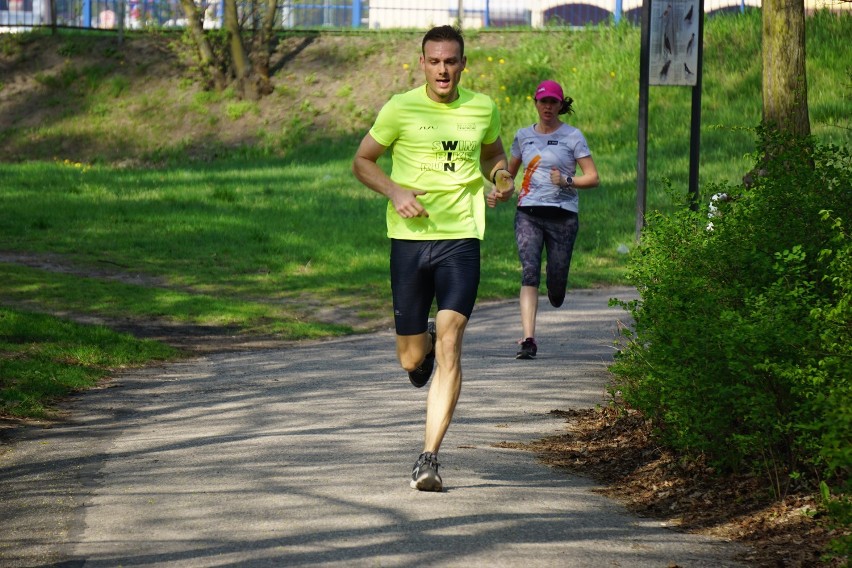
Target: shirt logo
[[426, 127], [553, 142], [467, 126]]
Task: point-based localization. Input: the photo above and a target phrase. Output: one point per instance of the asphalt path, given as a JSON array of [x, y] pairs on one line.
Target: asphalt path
[[301, 457]]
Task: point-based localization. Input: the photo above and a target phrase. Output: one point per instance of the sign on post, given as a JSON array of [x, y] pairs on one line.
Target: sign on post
[[674, 41], [671, 53]]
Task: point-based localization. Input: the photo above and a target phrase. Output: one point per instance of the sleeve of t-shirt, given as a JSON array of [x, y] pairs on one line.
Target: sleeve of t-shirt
[[385, 129], [493, 131], [581, 148], [516, 148]]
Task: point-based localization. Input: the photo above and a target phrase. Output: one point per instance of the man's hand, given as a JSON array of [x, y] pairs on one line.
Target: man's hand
[[504, 187], [406, 204]]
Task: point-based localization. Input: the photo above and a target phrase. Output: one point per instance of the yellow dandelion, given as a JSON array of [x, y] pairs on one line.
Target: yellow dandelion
[[574, 69], [490, 59], [508, 99], [482, 75], [529, 97], [612, 73], [405, 66], [466, 70], [502, 61], [502, 87]]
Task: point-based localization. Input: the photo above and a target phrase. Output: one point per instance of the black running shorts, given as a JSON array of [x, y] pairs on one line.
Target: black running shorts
[[421, 271]]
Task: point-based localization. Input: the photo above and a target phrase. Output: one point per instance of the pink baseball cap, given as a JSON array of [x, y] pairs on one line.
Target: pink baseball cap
[[549, 89]]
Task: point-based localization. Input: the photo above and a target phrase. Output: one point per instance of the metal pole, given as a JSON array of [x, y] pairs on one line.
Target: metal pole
[[121, 11], [356, 14], [642, 157], [461, 13], [619, 9], [695, 128]]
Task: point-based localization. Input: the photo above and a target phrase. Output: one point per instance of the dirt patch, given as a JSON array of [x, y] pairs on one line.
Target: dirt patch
[[616, 448]]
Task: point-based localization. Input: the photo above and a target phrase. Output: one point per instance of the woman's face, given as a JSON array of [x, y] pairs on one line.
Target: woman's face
[[548, 108]]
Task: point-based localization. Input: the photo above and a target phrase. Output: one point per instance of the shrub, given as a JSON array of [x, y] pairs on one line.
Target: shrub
[[741, 347]]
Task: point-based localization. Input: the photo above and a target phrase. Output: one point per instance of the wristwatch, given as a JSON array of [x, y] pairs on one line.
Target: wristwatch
[[569, 181]]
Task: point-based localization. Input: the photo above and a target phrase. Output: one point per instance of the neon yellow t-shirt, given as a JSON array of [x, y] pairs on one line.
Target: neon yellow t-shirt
[[435, 147]]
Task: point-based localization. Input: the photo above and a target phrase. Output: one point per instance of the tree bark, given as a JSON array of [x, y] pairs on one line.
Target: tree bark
[[785, 88], [262, 46], [239, 57]]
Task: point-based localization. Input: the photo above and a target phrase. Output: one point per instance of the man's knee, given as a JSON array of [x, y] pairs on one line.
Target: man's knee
[[410, 350], [450, 328]]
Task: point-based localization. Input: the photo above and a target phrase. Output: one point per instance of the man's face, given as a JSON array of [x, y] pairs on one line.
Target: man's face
[[442, 64]]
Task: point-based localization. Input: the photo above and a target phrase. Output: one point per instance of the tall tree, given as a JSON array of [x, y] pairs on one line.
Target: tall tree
[[785, 86]]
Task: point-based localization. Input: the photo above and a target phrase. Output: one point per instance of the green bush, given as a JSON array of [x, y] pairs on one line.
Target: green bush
[[741, 348]]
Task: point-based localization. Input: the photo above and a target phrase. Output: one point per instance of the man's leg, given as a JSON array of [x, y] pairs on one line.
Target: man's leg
[[446, 384], [442, 398], [456, 279]]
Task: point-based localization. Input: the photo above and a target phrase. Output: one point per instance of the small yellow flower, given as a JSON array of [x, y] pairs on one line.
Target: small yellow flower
[[490, 58], [502, 87], [482, 75], [466, 70], [405, 66], [508, 99], [502, 61], [574, 69], [612, 73], [529, 97]]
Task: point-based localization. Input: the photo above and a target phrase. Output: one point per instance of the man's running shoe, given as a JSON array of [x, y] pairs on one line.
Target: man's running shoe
[[420, 376], [424, 476], [528, 349]]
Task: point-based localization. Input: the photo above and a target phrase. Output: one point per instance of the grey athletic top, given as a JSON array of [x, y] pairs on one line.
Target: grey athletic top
[[541, 152]]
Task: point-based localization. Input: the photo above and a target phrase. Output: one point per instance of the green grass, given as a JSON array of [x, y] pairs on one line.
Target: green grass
[[255, 239], [45, 358]]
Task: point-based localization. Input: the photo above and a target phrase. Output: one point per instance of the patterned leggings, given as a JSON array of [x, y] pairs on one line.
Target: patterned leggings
[[536, 231]]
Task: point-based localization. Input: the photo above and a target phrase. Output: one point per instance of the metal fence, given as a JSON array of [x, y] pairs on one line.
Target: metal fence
[[339, 14]]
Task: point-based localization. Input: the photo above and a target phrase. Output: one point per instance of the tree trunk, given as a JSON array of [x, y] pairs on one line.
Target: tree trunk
[[262, 47], [785, 88], [209, 64], [239, 58]]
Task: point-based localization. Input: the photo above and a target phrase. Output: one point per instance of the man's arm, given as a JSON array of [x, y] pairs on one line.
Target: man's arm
[[368, 172]]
